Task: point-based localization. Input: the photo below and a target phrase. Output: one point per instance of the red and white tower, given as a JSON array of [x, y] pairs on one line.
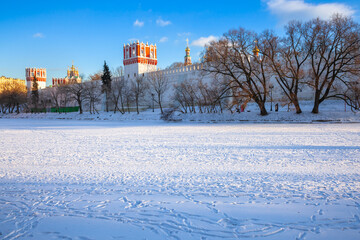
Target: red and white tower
[[139, 58], [40, 74]]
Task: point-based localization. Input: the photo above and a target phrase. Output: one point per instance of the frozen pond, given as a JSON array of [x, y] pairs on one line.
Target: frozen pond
[[86, 180]]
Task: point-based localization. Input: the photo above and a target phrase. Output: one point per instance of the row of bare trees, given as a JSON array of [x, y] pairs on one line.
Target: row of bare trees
[[323, 55], [125, 93], [12, 97], [195, 95], [120, 95]]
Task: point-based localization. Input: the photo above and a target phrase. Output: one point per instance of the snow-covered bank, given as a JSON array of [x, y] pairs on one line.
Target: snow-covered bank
[[254, 117], [111, 180], [331, 111]]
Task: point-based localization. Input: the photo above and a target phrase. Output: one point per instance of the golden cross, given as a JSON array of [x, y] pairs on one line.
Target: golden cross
[[187, 42]]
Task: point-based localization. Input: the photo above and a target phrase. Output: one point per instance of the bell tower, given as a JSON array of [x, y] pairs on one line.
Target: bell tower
[[187, 57], [139, 58], [39, 74]]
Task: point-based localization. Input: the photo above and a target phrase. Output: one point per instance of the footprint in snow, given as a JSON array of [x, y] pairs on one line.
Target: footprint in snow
[[316, 230], [321, 212], [301, 236]]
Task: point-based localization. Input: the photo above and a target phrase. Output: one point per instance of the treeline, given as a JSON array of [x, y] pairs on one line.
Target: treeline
[[12, 97], [104, 87], [323, 55]]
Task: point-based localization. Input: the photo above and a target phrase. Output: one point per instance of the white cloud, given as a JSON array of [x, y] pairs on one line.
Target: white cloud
[[163, 39], [138, 23], [201, 42], [162, 23], [287, 10], [38, 35]]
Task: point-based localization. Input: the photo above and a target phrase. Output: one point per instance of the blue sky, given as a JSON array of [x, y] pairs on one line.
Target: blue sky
[[52, 34]]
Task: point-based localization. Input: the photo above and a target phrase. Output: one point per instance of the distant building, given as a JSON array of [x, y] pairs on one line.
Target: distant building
[[139, 58], [40, 74], [72, 77]]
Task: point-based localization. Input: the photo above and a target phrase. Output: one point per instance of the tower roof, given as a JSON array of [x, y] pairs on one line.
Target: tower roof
[[256, 50]]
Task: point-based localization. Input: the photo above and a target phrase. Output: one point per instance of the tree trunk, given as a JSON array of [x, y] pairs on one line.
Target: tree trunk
[[106, 102], [297, 105], [137, 105], [122, 106], [263, 111], [159, 99], [80, 107], [316, 102]]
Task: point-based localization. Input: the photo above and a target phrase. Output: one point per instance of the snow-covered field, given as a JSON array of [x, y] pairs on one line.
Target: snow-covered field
[[155, 180]]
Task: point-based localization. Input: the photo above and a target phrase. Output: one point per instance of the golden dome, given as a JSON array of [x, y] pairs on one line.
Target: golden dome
[[256, 50]]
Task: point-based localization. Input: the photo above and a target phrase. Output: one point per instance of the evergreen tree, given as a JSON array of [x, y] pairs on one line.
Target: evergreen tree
[[35, 92], [106, 83]]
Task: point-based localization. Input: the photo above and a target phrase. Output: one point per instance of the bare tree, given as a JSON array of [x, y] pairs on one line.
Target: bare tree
[[288, 60], [159, 84], [118, 89], [12, 96], [77, 93], [138, 87], [351, 93], [117, 95], [234, 57], [96, 76], [128, 95], [44, 99], [92, 94], [212, 95], [334, 55], [55, 93], [117, 73], [187, 95], [64, 95], [175, 65]]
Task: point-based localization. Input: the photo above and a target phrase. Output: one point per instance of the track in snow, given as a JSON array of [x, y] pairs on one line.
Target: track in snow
[[85, 180]]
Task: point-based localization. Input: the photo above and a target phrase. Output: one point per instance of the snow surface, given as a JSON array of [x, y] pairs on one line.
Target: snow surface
[[155, 180]]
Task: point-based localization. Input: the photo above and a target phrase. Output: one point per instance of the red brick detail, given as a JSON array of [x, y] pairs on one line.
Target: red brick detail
[[140, 60]]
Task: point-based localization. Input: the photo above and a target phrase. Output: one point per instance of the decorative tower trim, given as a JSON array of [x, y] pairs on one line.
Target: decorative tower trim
[[187, 58], [256, 50]]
